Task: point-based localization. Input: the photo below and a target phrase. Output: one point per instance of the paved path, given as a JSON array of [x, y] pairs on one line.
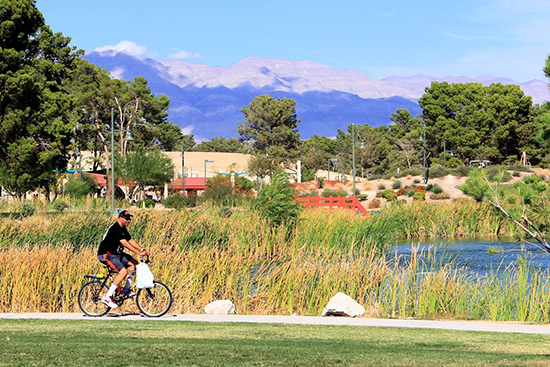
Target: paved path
[[503, 327]]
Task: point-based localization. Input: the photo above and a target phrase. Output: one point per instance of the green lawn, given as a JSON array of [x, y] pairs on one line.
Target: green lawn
[[165, 343]]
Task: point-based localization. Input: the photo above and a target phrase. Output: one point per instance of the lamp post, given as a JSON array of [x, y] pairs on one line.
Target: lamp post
[[328, 166], [423, 138], [353, 131], [129, 138], [206, 161], [182, 165]]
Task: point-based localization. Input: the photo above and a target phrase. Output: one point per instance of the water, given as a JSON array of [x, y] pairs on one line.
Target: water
[[478, 256]]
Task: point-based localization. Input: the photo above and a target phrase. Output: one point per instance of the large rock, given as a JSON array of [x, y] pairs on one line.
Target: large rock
[[343, 305], [221, 307]]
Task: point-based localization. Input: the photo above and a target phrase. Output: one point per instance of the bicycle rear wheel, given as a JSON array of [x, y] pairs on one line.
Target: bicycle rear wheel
[[155, 301], [89, 299]]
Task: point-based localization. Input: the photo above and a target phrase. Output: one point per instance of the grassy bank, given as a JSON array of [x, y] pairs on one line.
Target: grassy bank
[[204, 256], [92, 343]]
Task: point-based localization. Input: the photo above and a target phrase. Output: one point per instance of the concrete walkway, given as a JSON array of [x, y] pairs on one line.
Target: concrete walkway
[[488, 326]]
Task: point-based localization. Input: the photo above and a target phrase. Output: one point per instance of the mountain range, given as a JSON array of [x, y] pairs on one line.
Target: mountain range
[[207, 100]]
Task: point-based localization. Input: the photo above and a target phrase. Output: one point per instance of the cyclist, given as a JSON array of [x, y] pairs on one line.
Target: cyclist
[[111, 253]]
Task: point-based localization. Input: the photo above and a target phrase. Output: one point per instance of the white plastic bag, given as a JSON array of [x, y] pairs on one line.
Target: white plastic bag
[[144, 276]]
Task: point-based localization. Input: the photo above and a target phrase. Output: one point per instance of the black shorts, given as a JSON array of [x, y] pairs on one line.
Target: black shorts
[[115, 262]]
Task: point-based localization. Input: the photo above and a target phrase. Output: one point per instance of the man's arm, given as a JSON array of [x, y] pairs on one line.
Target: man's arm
[[133, 246]]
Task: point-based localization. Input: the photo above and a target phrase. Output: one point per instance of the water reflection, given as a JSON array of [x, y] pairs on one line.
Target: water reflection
[[477, 256]]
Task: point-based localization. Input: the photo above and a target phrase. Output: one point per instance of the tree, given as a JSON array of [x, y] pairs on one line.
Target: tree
[[276, 201], [478, 122], [529, 209], [35, 124], [270, 126], [145, 169]]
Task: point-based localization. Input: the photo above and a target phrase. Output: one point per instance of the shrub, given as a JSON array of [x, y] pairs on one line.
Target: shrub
[[59, 206], [276, 201], [440, 196], [461, 171], [413, 188], [409, 192], [374, 204], [419, 196], [416, 181], [381, 186], [396, 185], [511, 199], [438, 171], [27, 209], [329, 192], [367, 186], [436, 189], [362, 197], [145, 203], [311, 193], [385, 193], [180, 201], [391, 196], [515, 174], [80, 187], [220, 192]]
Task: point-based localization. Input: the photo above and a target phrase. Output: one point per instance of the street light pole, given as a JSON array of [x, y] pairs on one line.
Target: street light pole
[[112, 161], [182, 165], [424, 141], [353, 156]]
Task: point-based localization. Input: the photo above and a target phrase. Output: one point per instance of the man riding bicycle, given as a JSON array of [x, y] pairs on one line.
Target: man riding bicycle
[[111, 253]]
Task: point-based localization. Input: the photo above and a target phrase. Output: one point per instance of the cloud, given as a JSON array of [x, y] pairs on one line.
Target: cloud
[[183, 55], [123, 46], [187, 130]]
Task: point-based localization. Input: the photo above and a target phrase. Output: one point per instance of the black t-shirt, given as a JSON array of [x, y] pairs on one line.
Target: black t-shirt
[[111, 241]]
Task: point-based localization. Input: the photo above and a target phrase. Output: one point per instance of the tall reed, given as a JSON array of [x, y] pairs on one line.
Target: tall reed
[[204, 256]]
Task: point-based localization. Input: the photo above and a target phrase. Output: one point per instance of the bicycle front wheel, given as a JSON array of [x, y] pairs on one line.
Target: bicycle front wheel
[[89, 299], [155, 301]]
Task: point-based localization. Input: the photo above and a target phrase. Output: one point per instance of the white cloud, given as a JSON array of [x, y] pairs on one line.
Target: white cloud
[[117, 73], [187, 130], [123, 46], [183, 55]]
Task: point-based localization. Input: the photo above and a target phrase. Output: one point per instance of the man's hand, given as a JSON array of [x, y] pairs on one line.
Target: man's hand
[[144, 252]]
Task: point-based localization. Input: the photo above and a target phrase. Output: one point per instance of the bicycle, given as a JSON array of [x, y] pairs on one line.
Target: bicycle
[[152, 302]]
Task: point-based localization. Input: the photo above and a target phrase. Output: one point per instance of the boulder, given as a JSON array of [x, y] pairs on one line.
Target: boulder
[[220, 307], [343, 305]]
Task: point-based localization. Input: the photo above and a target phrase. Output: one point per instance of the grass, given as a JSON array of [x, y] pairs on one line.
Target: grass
[[161, 343]]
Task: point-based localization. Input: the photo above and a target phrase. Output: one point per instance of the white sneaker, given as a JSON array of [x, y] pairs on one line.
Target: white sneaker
[[108, 301]]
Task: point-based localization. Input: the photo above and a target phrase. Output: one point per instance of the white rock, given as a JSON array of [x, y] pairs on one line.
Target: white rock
[[343, 305], [220, 307]]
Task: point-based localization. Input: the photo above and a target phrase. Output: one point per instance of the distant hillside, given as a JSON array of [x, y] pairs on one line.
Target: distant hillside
[[206, 100]]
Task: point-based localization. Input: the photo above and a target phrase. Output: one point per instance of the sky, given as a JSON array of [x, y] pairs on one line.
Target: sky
[[377, 38]]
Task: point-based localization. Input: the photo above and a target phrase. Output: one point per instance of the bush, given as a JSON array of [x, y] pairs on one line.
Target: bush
[[440, 196], [419, 196], [436, 189], [80, 187], [373, 204], [145, 203], [220, 192], [438, 171], [276, 201], [515, 174], [409, 192], [381, 186], [396, 185], [511, 199], [416, 181], [461, 171], [180, 201], [329, 192], [27, 209], [362, 197], [59, 206]]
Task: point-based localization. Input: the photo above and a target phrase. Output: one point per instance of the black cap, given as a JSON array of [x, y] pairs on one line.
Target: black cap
[[125, 214]]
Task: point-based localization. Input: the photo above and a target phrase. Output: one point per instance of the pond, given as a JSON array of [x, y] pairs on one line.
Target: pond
[[477, 256]]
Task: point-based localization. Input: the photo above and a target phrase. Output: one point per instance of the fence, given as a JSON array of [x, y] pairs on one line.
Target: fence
[[333, 202]]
